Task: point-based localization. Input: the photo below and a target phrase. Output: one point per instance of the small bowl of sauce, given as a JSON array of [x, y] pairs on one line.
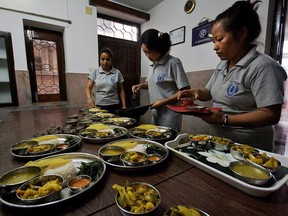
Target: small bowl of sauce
[[154, 158], [111, 153], [79, 183], [250, 173]]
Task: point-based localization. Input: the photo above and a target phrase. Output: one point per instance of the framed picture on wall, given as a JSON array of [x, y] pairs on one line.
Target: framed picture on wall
[[177, 36]]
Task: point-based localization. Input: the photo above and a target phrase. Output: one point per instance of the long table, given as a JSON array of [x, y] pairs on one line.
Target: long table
[[178, 181]]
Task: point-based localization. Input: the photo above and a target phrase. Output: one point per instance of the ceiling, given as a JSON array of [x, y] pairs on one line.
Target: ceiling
[[142, 5], [139, 5]]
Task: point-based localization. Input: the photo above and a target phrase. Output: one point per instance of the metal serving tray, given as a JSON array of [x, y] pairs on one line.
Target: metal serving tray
[[12, 201], [279, 179]]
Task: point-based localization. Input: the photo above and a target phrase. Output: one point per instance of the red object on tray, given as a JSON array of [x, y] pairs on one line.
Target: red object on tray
[[192, 109]]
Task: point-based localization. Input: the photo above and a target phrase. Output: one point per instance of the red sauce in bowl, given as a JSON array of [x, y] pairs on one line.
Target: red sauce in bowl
[[79, 183]]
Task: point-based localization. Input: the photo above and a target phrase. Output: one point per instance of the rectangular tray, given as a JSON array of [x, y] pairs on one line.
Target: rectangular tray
[[257, 191]]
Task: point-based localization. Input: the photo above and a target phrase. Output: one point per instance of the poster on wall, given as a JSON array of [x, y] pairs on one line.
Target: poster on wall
[[177, 36], [201, 33]]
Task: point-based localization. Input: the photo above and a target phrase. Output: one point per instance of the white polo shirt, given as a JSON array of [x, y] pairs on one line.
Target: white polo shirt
[[106, 85], [255, 81], [165, 79]]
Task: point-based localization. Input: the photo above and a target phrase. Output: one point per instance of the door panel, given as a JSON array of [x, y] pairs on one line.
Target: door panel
[[126, 58], [45, 56]]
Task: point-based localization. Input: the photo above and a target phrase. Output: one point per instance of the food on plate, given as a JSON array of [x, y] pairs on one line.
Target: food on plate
[[264, 160], [79, 183], [97, 110], [249, 172], [118, 121], [187, 101], [92, 169], [199, 137], [153, 133], [154, 149], [133, 158], [49, 163], [39, 188], [112, 150], [147, 126], [67, 171], [199, 140], [40, 148], [24, 144], [137, 198], [153, 158], [125, 144], [244, 149], [44, 138], [104, 115], [103, 134], [98, 126], [138, 132], [11, 180], [183, 211], [221, 140], [21, 147]]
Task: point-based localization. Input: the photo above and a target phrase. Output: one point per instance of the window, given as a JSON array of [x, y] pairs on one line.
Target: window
[[117, 29]]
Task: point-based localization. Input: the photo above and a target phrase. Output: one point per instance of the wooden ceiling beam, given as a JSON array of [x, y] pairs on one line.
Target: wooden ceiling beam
[[120, 8]]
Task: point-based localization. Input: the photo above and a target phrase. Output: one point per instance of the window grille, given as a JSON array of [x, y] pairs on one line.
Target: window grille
[[117, 30]]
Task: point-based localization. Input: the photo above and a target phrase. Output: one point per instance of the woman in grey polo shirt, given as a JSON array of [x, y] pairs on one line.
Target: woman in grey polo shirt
[[109, 84], [247, 85], [165, 78]]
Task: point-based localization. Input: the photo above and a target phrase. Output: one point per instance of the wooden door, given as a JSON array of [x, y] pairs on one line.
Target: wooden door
[[45, 59], [126, 59]]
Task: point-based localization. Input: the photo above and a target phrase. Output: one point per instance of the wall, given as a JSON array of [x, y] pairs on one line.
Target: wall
[[169, 15], [80, 39]]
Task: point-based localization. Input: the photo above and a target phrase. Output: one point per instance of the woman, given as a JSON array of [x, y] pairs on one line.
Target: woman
[[165, 78], [247, 85], [108, 82]]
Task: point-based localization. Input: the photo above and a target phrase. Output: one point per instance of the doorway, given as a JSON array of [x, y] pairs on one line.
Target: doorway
[[45, 60], [126, 58]]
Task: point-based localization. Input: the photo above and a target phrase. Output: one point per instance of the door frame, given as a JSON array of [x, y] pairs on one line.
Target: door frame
[[31, 64]]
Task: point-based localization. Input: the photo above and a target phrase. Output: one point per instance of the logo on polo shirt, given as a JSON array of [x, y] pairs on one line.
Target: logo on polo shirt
[[232, 89], [160, 78], [113, 80]]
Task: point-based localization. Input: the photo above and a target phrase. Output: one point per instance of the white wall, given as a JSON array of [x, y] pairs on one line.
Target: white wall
[[169, 15], [80, 37]]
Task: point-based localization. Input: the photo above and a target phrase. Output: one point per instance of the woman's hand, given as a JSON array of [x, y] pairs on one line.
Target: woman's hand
[[90, 103], [193, 93], [136, 88], [201, 94], [157, 104], [214, 117]]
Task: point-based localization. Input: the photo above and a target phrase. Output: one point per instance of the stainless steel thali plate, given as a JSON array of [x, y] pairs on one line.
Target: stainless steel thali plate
[[146, 146], [163, 135], [113, 132], [77, 158], [72, 142], [120, 121]]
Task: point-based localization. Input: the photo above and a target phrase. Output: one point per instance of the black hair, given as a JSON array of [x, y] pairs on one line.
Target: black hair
[[107, 51], [156, 41], [241, 14]]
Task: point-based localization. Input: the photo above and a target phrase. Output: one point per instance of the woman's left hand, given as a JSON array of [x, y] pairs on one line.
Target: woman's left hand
[[214, 117], [156, 104]]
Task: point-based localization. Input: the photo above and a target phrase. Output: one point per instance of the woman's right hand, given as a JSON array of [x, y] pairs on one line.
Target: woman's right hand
[[136, 88], [90, 103], [193, 93]]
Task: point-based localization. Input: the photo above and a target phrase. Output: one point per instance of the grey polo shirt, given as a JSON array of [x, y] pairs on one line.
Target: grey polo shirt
[[256, 80], [106, 85], [165, 79]]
